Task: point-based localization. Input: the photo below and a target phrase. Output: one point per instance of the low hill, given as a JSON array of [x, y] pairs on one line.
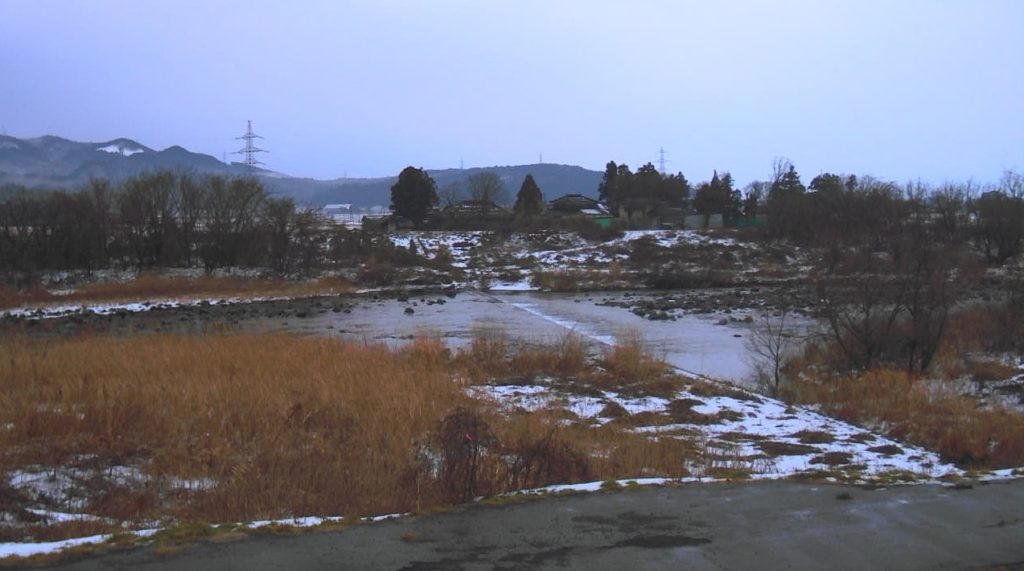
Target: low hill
[[553, 180], [54, 162]]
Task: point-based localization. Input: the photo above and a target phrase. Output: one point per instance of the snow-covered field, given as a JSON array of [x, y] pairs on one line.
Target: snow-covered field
[[764, 436], [508, 265]]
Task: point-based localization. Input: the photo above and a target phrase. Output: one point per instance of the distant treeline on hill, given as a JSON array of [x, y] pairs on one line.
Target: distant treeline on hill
[[55, 163], [169, 219]]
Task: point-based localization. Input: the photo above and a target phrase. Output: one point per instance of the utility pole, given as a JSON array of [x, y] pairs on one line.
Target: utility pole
[[249, 150]]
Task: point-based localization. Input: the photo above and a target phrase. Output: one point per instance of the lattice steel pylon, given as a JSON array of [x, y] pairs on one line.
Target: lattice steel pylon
[[249, 150]]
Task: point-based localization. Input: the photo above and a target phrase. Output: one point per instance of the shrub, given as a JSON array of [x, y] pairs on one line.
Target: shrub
[[919, 411]]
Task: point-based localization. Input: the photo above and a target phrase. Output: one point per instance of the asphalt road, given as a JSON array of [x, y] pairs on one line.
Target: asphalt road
[[765, 526]]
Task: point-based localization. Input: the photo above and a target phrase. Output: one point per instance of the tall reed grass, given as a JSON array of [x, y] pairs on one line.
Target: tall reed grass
[[918, 410], [281, 425]]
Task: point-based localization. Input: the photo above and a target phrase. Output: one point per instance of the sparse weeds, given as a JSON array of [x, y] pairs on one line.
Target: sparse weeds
[[725, 460], [814, 437], [833, 459], [704, 388], [611, 485], [184, 532], [775, 448], [897, 477]]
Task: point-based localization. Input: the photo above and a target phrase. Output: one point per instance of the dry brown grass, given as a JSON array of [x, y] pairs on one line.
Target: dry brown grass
[[631, 369], [987, 370], [491, 355], [608, 451], [283, 424], [575, 280], [287, 425], [567, 358], [925, 409], [152, 286], [922, 412]]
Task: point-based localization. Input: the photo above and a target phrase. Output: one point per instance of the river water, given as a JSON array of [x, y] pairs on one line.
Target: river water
[[699, 344]]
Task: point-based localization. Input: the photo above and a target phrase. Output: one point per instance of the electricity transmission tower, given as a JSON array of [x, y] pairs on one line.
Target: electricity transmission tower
[[249, 150], [661, 161]]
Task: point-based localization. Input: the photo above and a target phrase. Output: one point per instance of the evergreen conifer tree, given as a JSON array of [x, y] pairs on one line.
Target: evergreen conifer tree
[[413, 195], [529, 200]]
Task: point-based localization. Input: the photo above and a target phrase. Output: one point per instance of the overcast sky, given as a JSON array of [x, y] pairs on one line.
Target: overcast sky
[[898, 89]]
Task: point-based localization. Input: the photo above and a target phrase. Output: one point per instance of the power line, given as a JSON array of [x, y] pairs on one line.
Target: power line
[[249, 150]]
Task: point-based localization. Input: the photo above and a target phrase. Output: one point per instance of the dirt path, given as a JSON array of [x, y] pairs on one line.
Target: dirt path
[[771, 525]]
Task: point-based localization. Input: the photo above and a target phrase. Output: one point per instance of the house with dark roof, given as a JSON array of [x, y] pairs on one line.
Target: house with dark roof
[[577, 204]]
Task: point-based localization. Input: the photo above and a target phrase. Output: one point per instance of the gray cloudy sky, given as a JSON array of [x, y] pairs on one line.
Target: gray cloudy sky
[[900, 89]]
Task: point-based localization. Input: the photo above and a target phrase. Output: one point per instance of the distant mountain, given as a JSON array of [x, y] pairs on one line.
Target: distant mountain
[[53, 162]]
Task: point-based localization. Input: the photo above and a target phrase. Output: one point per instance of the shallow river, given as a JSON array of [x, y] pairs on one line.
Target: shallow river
[[693, 343]]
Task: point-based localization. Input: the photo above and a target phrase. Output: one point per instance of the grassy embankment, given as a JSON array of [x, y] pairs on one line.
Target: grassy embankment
[[235, 427], [149, 287]]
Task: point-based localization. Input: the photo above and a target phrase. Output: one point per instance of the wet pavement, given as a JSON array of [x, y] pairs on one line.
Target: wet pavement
[[765, 526]]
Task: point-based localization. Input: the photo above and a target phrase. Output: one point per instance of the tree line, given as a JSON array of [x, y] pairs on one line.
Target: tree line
[[415, 195], [841, 212], [167, 219], [895, 261], [834, 211]]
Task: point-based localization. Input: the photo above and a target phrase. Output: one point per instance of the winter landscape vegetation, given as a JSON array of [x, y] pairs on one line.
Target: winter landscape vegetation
[[187, 347], [710, 356]]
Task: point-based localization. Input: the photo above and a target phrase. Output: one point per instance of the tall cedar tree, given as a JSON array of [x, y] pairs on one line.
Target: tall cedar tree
[[609, 192], [530, 200], [414, 195], [785, 204], [641, 190], [718, 197]]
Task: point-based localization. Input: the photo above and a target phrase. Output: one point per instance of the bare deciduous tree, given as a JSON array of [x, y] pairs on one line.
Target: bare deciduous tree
[[486, 187], [770, 342], [450, 194]]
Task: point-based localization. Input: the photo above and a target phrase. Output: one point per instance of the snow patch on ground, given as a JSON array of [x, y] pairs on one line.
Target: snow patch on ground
[[67, 310], [461, 245], [741, 426], [521, 285]]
